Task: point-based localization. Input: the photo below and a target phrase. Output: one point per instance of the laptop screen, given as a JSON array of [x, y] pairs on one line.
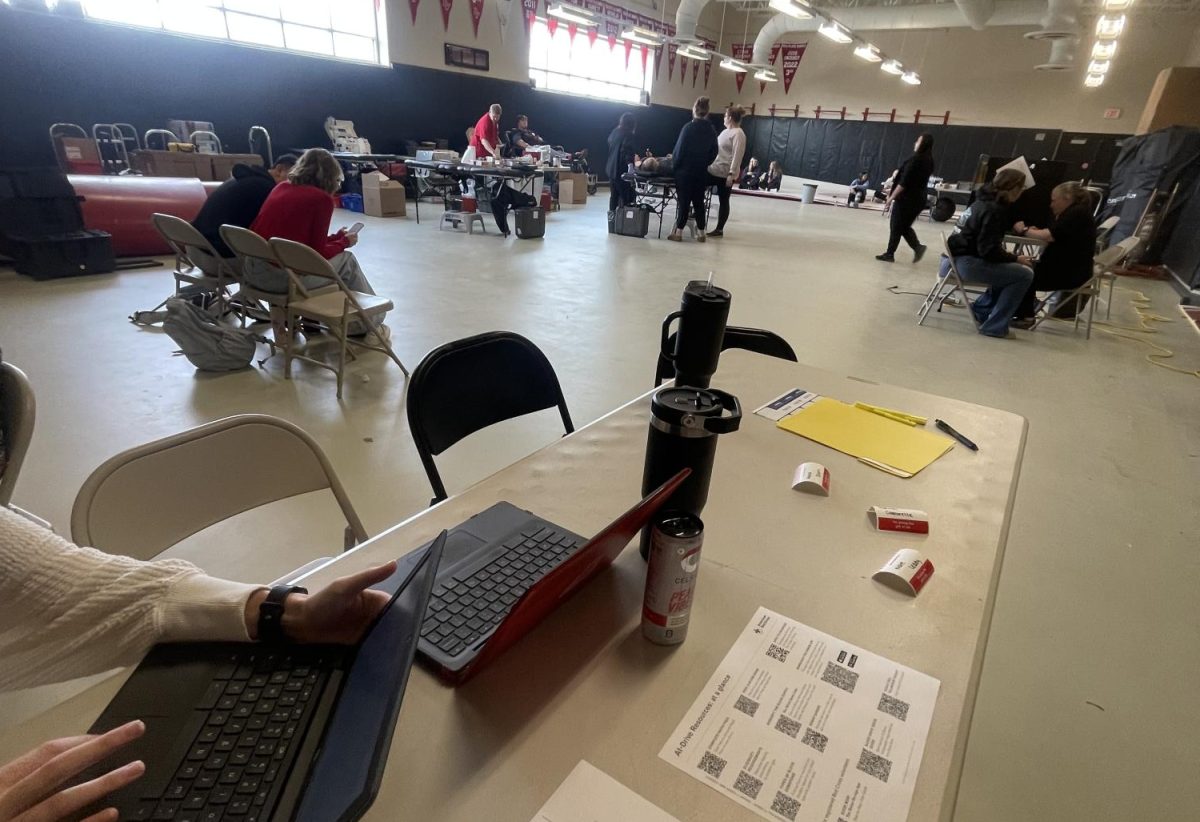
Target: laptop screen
[[346, 775]]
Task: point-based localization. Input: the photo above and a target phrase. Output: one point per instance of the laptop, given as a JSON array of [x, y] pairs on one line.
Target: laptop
[[506, 569], [252, 732]]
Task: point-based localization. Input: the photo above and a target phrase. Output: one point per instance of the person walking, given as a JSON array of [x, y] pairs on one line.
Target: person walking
[[695, 149], [731, 147], [621, 154], [907, 199]]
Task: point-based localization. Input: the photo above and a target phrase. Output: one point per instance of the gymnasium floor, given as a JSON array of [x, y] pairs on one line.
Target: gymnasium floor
[[1087, 709]]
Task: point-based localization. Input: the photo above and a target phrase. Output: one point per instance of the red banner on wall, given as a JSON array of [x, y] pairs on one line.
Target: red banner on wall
[[628, 50], [695, 71], [530, 8], [658, 55], [683, 67], [792, 53], [592, 35], [612, 30], [446, 6], [671, 49], [645, 55], [708, 64], [551, 25], [762, 87], [476, 15], [412, 6], [743, 52]]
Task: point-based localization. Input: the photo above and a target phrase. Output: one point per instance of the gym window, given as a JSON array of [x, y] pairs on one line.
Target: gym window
[[585, 68], [342, 29]]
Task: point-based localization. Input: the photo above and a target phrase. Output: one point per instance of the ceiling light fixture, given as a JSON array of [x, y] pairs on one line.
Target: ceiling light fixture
[[694, 52], [911, 78], [892, 67], [729, 64], [868, 52], [1117, 5], [765, 75], [637, 34], [1093, 80], [791, 8], [1099, 67], [835, 31], [572, 14], [1104, 51], [1109, 27]]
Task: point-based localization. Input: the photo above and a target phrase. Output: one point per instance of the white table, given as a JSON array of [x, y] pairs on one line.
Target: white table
[[585, 685]]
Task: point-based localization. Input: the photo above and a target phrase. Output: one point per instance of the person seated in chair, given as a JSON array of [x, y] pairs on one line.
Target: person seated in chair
[[773, 179], [67, 611], [521, 138], [236, 201], [750, 176], [858, 190], [1066, 262], [300, 209]]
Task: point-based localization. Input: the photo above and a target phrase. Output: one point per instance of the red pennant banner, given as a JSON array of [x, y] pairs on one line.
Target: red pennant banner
[[696, 71], [572, 30], [592, 36], [708, 65], [412, 6], [530, 8], [552, 25], [476, 15], [683, 66], [645, 54], [658, 55], [612, 30], [792, 53], [743, 52], [762, 87], [628, 50], [446, 6], [671, 49]]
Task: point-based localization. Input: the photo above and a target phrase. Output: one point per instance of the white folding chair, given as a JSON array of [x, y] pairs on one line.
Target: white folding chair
[[146, 499], [1103, 230], [197, 263], [946, 287], [335, 309], [1102, 271]]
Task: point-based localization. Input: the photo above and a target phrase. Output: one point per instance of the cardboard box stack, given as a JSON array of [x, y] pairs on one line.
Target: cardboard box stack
[[383, 197]]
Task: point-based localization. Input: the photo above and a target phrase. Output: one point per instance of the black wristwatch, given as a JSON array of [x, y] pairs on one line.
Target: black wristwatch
[[270, 613]]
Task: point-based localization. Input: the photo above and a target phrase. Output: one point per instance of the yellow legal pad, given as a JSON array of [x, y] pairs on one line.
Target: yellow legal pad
[[876, 440]]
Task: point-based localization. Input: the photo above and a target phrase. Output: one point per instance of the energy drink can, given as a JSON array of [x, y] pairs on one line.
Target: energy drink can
[[674, 563]]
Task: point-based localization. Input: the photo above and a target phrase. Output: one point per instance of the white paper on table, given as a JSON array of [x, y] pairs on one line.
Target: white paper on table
[[799, 726], [787, 404], [588, 794]]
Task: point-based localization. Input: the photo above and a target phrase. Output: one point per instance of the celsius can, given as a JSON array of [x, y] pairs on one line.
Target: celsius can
[[674, 562]]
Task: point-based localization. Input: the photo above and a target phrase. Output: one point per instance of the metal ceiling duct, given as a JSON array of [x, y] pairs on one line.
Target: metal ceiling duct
[[977, 12], [1062, 55], [687, 17], [1060, 23]]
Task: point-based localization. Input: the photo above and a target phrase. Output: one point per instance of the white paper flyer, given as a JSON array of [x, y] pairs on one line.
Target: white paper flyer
[[799, 726]]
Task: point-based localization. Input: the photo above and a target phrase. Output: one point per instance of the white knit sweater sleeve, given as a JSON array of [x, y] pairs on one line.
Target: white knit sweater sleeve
[[739, 151], [67, 611]]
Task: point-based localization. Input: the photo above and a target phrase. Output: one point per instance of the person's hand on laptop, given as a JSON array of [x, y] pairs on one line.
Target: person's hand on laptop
[[32, 787], [338, 614]]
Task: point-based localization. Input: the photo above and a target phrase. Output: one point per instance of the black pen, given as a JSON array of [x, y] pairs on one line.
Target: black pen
[[944, 426]]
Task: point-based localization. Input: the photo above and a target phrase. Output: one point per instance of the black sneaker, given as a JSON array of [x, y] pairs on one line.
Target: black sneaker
[[716, 233], [886, 258], [919, 252]]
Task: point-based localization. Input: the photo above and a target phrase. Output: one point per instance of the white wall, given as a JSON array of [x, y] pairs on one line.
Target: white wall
[[981, 77]]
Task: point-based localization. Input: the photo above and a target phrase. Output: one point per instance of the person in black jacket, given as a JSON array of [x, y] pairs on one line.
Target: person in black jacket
[[980, 257], [1066, 264], [907, 199], [237, 201], [694, 151], [621, 152]]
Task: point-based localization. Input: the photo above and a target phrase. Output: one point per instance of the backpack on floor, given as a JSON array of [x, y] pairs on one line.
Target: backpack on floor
[[206, 343]]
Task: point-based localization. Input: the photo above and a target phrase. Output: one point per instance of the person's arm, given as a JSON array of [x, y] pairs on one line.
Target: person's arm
[[739, 151], [678, 152], [1044, 234], [989, 242], [491, 146], [331, 245]]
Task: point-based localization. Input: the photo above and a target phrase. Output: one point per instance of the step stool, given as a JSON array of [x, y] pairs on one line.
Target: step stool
[[456, 219]]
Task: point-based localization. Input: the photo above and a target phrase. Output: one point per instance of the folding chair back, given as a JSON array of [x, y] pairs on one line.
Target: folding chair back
[[945, 287], [181, 237], [467, 385], [1104, 229], [299, 261], [148, 498], [246, 245], [18, 410], [758, 340]]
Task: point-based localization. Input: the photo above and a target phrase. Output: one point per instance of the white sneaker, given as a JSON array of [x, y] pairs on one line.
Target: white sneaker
[[383, 335]]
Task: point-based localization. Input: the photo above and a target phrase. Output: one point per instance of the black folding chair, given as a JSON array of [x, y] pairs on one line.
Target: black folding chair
[[758, 340], [466, 385]]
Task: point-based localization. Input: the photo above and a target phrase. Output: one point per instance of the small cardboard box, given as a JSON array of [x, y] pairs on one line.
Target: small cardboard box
[[576, 192], [383, 197], [172, 164], [78, 150]]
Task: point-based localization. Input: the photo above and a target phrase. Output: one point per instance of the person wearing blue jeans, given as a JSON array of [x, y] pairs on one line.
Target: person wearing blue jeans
[[980, 257]]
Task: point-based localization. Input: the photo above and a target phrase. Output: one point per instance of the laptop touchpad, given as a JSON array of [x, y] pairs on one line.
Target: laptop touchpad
[[459, 545]]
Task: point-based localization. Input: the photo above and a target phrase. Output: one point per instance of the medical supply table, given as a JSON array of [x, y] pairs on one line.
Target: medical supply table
[[586, 685], [522, 173]]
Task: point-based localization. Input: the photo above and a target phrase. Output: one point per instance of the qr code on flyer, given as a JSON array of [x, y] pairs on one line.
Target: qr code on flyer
[[747, 784], [875, 765], [840, 677], [777, 653], [786, 806], [894, 707], [746, 705], [712, 765]]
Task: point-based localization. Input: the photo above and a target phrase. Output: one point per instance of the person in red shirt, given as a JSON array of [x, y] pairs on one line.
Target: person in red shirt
[[300, 209], [486, 139]]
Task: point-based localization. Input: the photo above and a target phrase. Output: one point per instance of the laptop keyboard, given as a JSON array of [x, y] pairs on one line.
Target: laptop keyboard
[[251, 722], [465, 608]]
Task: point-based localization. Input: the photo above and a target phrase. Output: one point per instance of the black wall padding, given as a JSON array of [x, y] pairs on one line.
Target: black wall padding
[[1159, 160], [1182, 252], [84, 72], [836, 150]]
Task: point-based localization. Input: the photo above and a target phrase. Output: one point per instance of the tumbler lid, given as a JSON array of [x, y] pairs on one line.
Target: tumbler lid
[[696, 408]]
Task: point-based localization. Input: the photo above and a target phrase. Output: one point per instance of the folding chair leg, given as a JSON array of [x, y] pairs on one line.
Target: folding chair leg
[[1091, 314], [341, 369], [288, 341], [930, 299]]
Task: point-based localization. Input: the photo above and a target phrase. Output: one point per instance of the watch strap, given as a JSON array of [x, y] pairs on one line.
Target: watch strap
[[270, 613]]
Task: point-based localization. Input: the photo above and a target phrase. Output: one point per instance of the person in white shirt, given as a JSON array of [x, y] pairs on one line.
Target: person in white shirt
[[67, 611], [731, 147]]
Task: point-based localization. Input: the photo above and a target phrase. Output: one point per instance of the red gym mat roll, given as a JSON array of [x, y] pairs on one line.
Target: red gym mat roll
[[122, 206]]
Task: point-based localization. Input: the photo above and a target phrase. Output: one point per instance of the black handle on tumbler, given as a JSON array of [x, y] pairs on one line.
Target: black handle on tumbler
[[666, 335], [724, 424]]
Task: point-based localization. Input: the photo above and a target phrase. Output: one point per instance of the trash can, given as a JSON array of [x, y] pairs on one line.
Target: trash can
[[808, 192]]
